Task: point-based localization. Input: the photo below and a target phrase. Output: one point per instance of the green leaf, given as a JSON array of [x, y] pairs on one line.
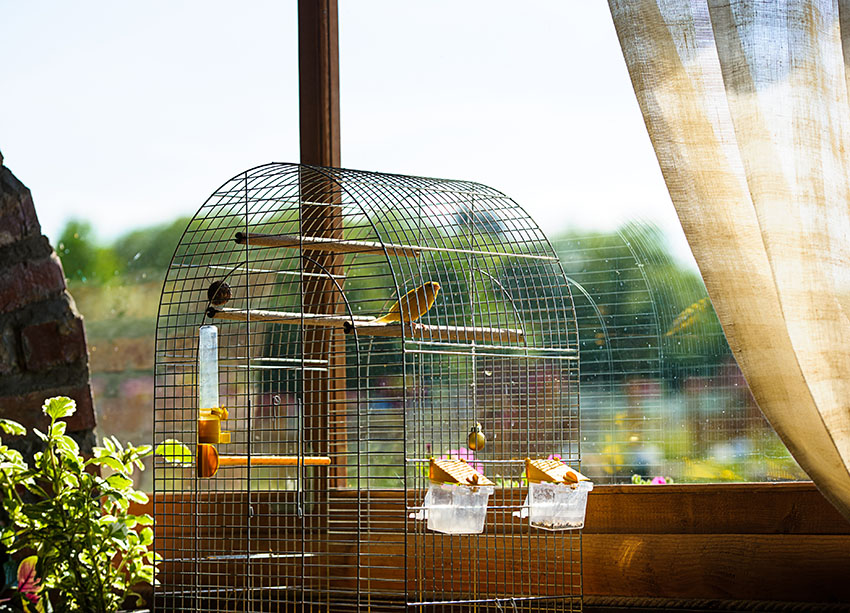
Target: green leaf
[[12, 427], [119, 481], [143, 451], [68, 445], [107, 461], [11, 466], [174, 451], [137, 496], [58, 428], [116, 444], [59, 407]]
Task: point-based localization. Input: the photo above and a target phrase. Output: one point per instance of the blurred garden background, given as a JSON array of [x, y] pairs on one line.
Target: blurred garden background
[[661, 394]]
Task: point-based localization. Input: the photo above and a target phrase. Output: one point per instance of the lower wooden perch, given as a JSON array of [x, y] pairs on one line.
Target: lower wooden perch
[[435, 333], [281, 317], [209, 461], [366, 326]]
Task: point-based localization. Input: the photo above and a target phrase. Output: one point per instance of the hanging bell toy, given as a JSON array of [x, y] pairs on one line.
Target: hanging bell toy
[[476, 439]]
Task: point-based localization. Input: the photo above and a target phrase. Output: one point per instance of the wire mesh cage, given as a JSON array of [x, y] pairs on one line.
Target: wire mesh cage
[[329, 344]]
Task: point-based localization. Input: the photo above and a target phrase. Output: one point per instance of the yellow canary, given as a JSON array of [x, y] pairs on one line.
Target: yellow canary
[[476, 439], [691, 315], [413, 305]]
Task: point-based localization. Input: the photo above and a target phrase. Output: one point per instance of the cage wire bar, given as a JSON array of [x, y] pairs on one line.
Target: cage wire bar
[[292, 264]]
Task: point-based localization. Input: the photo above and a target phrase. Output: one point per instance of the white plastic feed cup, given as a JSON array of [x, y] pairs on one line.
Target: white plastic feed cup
[[457, 509], [556, 506]]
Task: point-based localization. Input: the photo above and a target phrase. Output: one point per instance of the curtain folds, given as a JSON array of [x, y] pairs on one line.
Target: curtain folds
[[746, 104]]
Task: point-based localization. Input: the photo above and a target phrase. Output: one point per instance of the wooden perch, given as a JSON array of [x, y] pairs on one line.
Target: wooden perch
[[333, 245], [367, 326], [330, 245], [272, 460], [208, 460], [309, 319], [435, 333]]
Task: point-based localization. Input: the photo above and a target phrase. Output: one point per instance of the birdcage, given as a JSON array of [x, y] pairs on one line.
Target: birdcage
[[331, 344]]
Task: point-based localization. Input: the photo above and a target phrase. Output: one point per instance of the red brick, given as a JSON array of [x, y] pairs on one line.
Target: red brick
[[29, 282], [53, 343], [26, 409], [17, 218], [8, 351]]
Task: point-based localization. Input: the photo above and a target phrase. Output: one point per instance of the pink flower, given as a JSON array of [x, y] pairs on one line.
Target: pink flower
[[554, 456], [467, 455], [658, 481]]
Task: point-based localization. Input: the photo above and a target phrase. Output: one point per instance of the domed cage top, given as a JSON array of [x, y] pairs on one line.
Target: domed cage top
[[308, 480]]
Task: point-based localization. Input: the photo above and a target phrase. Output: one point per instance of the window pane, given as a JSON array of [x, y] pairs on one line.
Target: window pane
[[661, 394]]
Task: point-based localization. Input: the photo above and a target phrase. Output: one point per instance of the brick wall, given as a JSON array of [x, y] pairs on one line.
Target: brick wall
[[42, 337]]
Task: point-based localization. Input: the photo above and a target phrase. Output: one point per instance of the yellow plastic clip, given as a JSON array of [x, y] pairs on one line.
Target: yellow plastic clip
[[209, 426]]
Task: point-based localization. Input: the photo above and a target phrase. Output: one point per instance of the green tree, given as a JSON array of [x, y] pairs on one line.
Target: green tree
[[629, 291], [149, 250], [82, 258]]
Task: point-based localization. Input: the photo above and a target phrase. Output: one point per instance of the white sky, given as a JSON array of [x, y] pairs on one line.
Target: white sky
[[131, 113]]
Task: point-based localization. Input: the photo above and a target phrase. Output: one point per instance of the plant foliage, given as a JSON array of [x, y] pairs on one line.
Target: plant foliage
[[72, 513]]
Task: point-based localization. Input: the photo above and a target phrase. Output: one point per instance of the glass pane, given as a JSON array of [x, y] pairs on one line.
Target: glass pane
[[661, 394]]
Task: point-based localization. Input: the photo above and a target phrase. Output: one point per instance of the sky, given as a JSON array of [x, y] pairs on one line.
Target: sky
[[129, 114]]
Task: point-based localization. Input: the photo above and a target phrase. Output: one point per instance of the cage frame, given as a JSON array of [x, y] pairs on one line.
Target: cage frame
[[330, 198]]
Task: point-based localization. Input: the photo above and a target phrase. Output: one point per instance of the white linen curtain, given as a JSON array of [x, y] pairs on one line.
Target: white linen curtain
[[746, 104]]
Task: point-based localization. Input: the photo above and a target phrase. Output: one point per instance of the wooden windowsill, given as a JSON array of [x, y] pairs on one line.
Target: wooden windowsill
[[712, 508], [779, 542]]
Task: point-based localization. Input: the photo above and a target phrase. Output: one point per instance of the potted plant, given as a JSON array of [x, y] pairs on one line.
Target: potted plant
[[71, 515]]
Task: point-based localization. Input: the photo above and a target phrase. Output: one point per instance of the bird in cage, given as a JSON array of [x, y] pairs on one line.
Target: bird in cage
[[219, 292], [413, 305]]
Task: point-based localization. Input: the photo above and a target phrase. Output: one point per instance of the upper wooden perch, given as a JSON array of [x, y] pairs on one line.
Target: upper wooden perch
[[333, 245], [366, 326], [319, 243]]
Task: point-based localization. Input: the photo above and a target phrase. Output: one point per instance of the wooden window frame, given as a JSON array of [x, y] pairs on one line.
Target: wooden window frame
[[780, 542]]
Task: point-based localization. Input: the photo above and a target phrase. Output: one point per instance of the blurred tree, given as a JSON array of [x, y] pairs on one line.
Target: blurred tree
[[482, 222], [82, 258], [148, 251], [629, 290]]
